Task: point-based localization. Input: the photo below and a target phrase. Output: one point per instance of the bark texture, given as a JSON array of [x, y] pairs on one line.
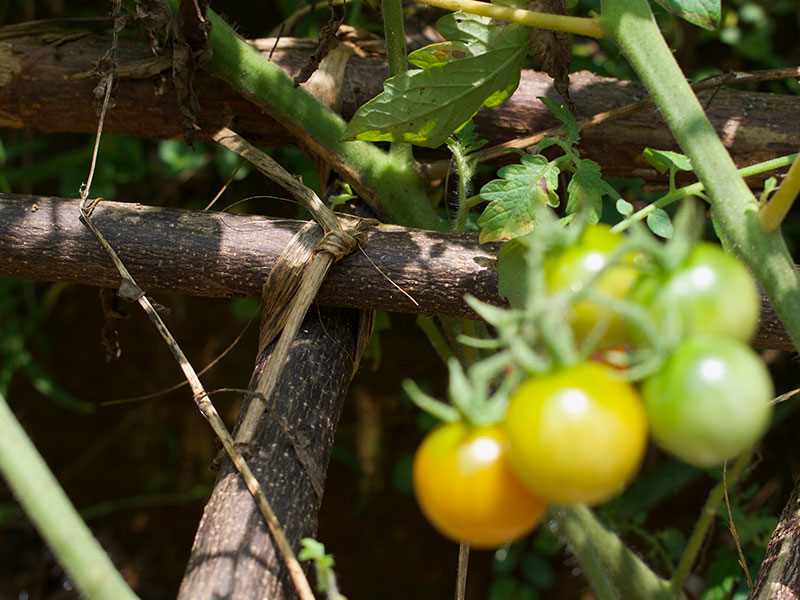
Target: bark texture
[[41, 90], [779, 576], [225, 255], [233, 554]]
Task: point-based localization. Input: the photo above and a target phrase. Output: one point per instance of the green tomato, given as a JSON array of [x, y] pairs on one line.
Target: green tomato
[[710, 401], [578, 434], [574, 267], [711, 293], [467, 489]]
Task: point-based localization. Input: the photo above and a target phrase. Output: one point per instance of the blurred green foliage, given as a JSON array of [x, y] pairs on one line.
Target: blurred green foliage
[[753, 35]]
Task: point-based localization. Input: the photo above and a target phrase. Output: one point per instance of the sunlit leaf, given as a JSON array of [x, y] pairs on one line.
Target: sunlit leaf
[[516, 197], [664, 160], [478, 66], [704, 13], [563, 115]]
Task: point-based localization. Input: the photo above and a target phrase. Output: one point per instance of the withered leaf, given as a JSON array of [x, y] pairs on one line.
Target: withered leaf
[[551, 50], [327, 41]]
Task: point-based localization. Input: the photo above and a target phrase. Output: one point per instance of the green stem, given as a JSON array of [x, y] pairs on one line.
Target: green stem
[[697, 188], [435, 337], [55, 518], [606, 561], [470, 353], [777, 207], [452, 329], [695, 542], [631, 26], [580, 25], [464, 175], [394, 32], [391, 187]]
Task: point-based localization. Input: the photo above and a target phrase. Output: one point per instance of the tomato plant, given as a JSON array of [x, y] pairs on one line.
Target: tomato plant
[[578, 434], [710, 401], [712, 292], [467, 490], [574, 267]]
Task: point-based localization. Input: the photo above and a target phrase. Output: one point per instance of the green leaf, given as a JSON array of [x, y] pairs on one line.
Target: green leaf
[[663, 160], [512, 273], [478, 66], [586, 190], [624, 208], [703, 13], [516, 198], [659, 223], [563, 115]]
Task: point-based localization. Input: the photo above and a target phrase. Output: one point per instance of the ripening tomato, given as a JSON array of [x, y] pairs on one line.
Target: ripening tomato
[[467, 490], [573, 267], [578, 434], [710, 401], [712, 293]]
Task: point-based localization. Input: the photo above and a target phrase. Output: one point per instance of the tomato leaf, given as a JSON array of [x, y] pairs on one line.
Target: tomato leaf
[[663, 160], [516, 198], [586, 190], [703, 13], [570, 125], [659, 223], [624, 207], [478, 66]]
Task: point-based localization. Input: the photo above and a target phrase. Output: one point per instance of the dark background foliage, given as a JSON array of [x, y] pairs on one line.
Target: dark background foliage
[[138, 470]]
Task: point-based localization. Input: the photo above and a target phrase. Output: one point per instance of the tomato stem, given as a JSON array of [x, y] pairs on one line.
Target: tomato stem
[[606, 561], [631, 26], [707, 516], [53, 514], [582, 546], [394, 32], [696, 189], [581, 25]]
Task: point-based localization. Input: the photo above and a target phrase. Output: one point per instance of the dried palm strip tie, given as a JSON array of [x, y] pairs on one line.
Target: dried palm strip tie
[[297, 276]]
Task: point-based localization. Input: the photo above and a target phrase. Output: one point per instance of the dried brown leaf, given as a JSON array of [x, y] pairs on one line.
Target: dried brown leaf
[[190, 50], [327, 41], [551, 50]]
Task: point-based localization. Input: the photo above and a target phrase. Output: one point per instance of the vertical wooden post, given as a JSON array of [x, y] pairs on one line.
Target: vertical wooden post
[[233, 556]]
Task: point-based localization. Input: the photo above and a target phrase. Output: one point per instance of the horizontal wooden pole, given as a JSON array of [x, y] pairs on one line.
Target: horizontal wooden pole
[[230, 255], [225, 255], [41, 90]]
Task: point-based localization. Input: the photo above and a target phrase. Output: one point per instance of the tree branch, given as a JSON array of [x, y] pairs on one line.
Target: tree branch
[[228, 255], [40, 93]]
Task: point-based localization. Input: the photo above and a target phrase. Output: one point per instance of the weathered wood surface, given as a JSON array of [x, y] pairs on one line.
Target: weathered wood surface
[[233, 555], [779, 575], [38, 92], [226, 255]]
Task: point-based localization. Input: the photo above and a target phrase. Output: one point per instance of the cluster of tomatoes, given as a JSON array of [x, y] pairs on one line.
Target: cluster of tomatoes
[[577, 434]]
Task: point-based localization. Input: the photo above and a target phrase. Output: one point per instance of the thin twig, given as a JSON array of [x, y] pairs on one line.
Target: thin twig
[[463, 566], [732, 525], [183, 383], [225, 186], [131, 290]]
